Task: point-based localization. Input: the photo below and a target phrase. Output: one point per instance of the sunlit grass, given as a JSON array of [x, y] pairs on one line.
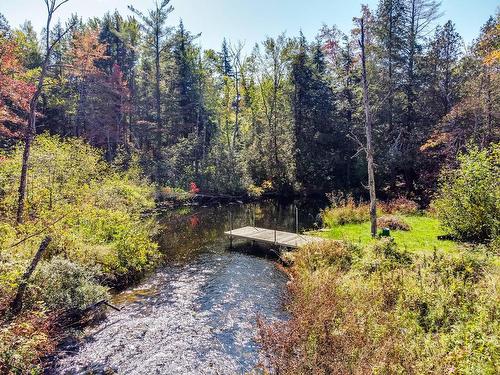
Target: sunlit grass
[[423, 236]]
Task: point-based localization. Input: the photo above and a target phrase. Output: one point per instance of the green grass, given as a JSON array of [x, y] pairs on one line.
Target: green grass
[[421, 238]]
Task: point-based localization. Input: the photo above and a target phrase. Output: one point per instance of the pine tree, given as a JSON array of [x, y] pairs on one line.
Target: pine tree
[[390, 34], [154, 25]]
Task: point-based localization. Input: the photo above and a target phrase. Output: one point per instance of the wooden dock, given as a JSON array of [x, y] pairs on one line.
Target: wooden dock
[[276, 237]]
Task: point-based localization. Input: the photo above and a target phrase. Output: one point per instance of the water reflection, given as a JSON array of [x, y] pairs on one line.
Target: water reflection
[[197, 314]]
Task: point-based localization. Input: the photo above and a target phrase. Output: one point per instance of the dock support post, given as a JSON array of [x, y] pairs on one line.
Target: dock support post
[[230, 229], [296, 220], [275, 228]]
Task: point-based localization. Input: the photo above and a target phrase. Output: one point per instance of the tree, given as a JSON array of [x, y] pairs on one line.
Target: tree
[[442, 60], [340, 53], [154, 25], [122, 38], [390, 34], [419, 15], [102, 98], [52, 6], [14, 92], [86, 51], [4, 26], [226, 65], [473, 118], [316, 134], [187, 111], [274, 90], [368, 127]]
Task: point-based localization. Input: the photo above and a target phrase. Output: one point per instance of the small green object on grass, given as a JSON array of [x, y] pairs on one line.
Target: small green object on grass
[[386, 232]]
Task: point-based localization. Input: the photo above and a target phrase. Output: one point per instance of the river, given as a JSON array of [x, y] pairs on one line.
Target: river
[[197, 314]]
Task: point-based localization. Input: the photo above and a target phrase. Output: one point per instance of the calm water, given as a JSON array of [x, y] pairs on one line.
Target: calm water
[[197, 314]]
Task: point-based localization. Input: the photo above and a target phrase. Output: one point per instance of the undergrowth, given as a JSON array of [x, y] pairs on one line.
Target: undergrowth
[[93, 213], [343, 209], [380, 309]]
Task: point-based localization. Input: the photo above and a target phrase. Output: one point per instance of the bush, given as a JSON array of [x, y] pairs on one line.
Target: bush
[[94, 213], [401, 205], [393, 223], [468, 202], [344, 210], [388, 311], [387, 249], [92, 210], [318, 255], [24, 340], [173, 194], [62, 284]]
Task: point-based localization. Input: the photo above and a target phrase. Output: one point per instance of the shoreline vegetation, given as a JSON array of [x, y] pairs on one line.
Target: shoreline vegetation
[[379, 309], [415, 301], [93, 213], [419, 298], [100, 219]]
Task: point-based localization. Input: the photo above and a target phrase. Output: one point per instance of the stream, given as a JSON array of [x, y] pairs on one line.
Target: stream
[[197, 314]]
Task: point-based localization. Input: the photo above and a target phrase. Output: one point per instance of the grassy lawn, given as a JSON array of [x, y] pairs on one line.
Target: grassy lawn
[[421, 238]]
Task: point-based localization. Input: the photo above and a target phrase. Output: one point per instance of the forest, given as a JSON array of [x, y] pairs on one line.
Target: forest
[[286, 118], [104, 120]]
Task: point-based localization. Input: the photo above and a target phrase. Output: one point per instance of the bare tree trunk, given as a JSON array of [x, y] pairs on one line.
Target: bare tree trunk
[[489, 106], [24, 175], [28, 140], [52, 6], [159, 125], [237, 106], [17, 304], [368, 127]]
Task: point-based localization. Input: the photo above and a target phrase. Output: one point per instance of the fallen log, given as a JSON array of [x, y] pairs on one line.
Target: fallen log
[[100, 303], [17, 304]]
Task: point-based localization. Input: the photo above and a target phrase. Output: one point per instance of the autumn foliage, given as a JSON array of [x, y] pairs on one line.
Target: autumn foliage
[[102, 97], [15, 92]]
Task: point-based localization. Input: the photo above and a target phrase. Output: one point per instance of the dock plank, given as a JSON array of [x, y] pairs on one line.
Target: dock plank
[[279, 238]]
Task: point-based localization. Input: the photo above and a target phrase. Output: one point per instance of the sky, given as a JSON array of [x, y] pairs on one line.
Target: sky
[[249, 21]]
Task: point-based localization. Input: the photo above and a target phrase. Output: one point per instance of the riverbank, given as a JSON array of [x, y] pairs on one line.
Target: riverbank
[[406, 304], [90, 216]]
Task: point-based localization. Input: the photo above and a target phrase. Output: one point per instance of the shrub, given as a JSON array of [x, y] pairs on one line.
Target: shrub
[[401, 205], [318, 255], [393, 222], [92, 210], [62, 284], [94, 213], [389, 250], [468, 202], [389, 311], [344, 210], [24, 340], [255, 191], [174, 194]]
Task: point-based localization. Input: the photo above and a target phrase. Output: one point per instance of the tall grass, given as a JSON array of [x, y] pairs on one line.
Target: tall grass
[[383, 310], [343, 209]]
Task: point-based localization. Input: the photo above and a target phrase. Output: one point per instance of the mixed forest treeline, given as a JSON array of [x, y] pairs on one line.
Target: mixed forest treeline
[[287, 117]]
